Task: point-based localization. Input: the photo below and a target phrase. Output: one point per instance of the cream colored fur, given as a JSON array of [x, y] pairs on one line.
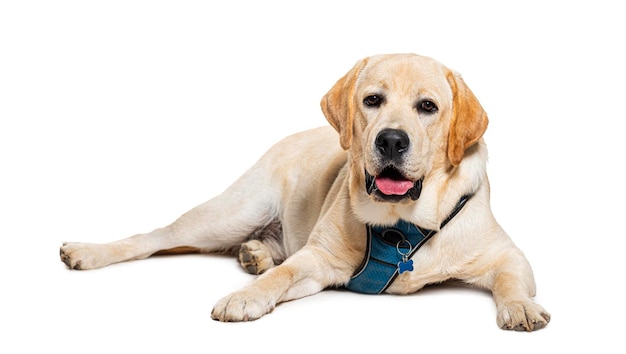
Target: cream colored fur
[[298, 215]]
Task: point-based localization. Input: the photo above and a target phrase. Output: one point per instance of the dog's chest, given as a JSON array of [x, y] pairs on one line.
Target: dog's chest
[[389, 264], [388, 256]]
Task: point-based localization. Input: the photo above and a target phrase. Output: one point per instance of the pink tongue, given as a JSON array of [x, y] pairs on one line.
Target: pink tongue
[[390, 186]]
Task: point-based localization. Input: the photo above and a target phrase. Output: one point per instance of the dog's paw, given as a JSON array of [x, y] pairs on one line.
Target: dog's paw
[[243, 305], [255, 257], [82, 256], [522, 315]]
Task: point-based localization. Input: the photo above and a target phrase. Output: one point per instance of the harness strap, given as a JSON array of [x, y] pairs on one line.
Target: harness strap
[[385, 247]]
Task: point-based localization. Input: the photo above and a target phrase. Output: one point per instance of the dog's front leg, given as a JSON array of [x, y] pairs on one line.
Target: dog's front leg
[[513, 289], [305, 273]]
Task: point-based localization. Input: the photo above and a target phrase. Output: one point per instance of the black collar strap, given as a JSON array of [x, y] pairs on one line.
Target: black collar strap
[[389, 250]]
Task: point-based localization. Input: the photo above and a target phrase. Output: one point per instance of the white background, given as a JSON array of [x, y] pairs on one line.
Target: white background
[[118, 116]]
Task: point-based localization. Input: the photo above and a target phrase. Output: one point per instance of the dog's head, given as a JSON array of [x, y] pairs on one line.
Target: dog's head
[[402, 117]]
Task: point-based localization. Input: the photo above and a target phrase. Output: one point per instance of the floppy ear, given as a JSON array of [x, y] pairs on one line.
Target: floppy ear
[[469, 120], [338, 104]]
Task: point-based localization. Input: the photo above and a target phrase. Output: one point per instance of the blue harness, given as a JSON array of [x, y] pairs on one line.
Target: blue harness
[[389, 251]]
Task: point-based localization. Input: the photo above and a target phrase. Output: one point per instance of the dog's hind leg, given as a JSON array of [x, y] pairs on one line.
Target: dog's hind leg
[[221, 224], [255, 257], [263, 250]]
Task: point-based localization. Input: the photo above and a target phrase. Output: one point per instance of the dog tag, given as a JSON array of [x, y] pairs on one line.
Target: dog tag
[[406, 264]]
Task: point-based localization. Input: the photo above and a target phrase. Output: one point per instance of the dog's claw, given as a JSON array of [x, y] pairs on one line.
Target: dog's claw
[[526, 315]]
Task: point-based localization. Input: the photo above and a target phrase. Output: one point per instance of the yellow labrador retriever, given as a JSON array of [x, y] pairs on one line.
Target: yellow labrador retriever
[[398, 199]]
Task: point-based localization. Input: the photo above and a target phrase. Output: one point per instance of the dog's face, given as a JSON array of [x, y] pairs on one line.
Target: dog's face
[[402, 117]]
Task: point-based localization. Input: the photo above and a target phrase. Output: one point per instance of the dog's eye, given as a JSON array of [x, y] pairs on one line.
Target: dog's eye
[[373, 101], [427, 106]]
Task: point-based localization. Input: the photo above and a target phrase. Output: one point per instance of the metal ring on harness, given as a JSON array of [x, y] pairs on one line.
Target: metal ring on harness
[[401, 242]]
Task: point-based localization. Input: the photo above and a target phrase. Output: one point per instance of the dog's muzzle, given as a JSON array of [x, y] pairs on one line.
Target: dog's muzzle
[[391, 186]]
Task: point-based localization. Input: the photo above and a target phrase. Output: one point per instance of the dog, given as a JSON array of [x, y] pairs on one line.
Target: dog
[[392, 197]]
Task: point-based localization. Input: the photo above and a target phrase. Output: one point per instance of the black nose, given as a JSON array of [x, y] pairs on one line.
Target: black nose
[[392, 143]]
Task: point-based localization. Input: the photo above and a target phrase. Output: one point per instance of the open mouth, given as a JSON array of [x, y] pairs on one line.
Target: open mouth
[[391, 185]]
